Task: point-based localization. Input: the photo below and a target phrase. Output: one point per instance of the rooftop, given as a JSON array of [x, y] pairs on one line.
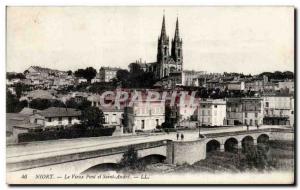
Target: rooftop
[[60, 112], [110, 68]]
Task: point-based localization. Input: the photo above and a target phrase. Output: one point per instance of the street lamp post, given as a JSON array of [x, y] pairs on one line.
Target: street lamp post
[[199, 131]]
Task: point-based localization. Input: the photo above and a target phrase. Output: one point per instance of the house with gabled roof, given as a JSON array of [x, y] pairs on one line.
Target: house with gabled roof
[[56, 116]]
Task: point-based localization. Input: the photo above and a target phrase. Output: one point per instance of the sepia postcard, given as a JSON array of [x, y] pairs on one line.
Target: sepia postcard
[[150, 95]]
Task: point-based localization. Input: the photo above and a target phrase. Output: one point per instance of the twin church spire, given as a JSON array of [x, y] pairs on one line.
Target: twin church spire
[[163, 34], [163, 45]]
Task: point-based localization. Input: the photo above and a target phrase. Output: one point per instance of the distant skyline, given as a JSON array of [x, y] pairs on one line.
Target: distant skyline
[[247, 40]]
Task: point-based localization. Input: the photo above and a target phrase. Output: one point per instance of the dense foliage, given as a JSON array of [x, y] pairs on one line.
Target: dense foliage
[[93, 117], [277, 75], [13, 105], [136, 77], [10, 76], [89, 73], [131, 161], [68, 133]]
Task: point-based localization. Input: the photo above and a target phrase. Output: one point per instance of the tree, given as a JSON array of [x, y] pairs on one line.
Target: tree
[[278, 75], [40, 104], [13, 105], [11, 102], [89, 73], [57, 103], [71, 103], [20, 88], [93, 117], [135, 68], [10, 76], [123, 76], [131, 161], [69, 72], [171, 117], [257, 158]]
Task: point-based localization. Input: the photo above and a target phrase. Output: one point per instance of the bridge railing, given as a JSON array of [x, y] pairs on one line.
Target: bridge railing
[[245, 132], [56, 159]]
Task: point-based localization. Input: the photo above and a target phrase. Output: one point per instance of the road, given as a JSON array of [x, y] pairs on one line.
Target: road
[[44, 149]]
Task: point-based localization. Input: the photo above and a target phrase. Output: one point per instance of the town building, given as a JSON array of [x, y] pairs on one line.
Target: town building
[[81, 80], [17, 123], [191, 78], [286, 85], [39, 94], [170, 82], [145, 116], [278, 110], [108, 73], [244, 111], [56, 116], [143, 65], [212, 112], [96, 79], [236, 85], [187, 108], [36, 72]]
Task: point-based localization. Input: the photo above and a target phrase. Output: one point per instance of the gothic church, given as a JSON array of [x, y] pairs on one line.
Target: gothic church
[[167, 61]]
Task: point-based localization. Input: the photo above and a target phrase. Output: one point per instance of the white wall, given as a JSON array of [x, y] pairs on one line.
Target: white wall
[[65, 121]]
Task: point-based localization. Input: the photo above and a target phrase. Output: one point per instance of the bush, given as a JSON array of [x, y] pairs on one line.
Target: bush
[[130, 161], [167, 125], [169, 129], [69, 133]]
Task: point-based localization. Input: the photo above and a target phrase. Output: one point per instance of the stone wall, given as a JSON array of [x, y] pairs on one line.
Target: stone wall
[[186, 151], [282, 136]]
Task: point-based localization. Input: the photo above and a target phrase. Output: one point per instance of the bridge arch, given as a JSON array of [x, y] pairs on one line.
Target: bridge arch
[[247, 142], [263, 139], [213, 145], [231, 145], [152, 159], [263, 142], [104, 167]]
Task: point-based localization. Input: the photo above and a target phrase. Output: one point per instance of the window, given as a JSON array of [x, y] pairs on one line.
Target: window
[[246, 114], [59, 120], [143, 124], [267, 104], [106, 118], [256, 114], [70, 120], [251, 122], [114, 118], [157, 122], [49, 119], [165, 50], [245, 122], [256, 122], [216, 106]]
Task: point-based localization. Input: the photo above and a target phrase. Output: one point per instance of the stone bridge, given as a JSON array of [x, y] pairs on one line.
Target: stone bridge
[[172, 152], [230, 141], [84, 160]]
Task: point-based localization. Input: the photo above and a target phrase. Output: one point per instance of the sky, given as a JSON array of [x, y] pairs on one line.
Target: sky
[[247, 40]]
